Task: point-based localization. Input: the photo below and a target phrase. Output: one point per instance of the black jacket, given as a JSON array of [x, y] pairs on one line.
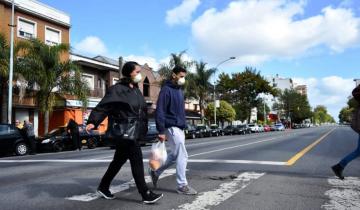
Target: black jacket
[[356, 93], [119, 103]]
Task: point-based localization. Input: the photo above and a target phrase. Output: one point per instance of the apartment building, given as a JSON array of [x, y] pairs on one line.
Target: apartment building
[[33, 19]]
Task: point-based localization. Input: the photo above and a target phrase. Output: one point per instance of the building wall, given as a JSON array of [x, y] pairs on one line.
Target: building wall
[[5, 14]]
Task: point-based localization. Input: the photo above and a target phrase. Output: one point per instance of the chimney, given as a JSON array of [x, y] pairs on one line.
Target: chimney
[[121, 63]]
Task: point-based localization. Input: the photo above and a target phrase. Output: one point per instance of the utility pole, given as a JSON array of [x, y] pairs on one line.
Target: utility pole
[[231, 58], [11, 67]]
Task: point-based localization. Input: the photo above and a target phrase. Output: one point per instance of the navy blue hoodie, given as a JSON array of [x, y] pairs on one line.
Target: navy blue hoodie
[[170, 108]]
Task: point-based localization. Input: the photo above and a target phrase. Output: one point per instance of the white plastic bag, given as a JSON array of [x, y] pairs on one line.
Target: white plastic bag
[[158, 155]]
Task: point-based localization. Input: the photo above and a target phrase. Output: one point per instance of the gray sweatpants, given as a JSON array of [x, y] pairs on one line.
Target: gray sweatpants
[[178, 154]]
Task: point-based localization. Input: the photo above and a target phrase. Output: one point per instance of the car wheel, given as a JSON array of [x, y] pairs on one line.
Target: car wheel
[[21, 149], [91, 143], [58, 147]]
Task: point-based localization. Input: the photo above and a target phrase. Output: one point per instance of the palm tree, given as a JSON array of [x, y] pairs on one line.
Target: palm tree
[[202, 88], [42, 66], [175, 60], [4, 72]]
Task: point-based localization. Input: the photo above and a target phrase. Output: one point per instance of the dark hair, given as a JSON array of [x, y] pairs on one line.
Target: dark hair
[[178, 69], [128, 68]]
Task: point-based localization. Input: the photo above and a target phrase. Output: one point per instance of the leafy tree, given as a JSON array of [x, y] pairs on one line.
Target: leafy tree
[[242, 90], [42, 65], [295, 106], [260, 108], [345, 114], [223, 113], [321, 115]]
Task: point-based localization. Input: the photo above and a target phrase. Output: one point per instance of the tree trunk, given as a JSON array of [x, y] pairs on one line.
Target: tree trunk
[[202, 111], [4, 100], [46, 122]]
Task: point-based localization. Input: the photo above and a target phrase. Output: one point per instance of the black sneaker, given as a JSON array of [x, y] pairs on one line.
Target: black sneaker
[[154, 178], [338, 169], [150, 197], [105, 194]]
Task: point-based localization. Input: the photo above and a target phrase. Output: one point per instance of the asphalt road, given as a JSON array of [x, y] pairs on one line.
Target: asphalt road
[[277, 170]]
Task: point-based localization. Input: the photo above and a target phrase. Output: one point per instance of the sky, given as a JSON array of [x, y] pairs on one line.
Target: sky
[[314, 42]]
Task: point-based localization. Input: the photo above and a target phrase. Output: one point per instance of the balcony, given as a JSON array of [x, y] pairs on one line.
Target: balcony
[[97, 92]]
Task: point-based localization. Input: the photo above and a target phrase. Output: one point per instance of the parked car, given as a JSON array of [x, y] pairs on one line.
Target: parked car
[[241, 129], [191, 132], [279, 127], [229, 130], [12, 141], [204, 130], [261, 128], [216, 130], [59, 139], [254, 127], [267, 128]]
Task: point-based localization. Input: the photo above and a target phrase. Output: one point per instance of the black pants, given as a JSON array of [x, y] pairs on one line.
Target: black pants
[[125, 150], [76, 140], [32, 143]]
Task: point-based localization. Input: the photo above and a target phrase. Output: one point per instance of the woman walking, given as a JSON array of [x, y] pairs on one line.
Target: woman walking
[[125, 107]]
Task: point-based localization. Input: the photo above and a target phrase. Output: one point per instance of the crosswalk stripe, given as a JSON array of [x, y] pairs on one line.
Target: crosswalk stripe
[[115, 189], [344, 195], [224, 192]]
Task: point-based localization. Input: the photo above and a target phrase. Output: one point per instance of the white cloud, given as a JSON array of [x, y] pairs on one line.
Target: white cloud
[[332, 92], [258, 30], [182, 13], [91, 45]]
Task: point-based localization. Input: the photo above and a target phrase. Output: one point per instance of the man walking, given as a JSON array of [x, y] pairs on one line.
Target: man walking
[[170, 122], [73, 128]]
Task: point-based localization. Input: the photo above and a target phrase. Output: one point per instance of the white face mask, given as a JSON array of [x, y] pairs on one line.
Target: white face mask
[[137, 78], [181, 81]]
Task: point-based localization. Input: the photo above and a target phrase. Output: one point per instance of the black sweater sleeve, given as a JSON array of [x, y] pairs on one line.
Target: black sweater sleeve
[[104, 107]]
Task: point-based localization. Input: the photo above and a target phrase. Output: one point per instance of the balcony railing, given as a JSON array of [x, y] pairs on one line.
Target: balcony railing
[[97, 92]]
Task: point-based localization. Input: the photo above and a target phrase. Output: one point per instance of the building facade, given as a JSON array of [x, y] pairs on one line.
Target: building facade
[[32, 19]]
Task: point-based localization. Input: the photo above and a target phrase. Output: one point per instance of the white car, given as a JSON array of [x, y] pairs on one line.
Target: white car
[[254, 127]]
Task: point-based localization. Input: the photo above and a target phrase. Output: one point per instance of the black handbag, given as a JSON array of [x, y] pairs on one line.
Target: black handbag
[[128, 129]]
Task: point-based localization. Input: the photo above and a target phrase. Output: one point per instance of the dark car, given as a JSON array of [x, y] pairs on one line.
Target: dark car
[[191, 132], [229, 130], [242, 129], [204, 130], [216, 130], [59, 139], [11, 140]]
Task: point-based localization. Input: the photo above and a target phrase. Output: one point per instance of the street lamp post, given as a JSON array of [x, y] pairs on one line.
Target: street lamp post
[[231, 58], [11, 67]]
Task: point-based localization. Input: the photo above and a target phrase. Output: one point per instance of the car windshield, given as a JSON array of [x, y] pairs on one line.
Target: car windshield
[[201, 127], [214, 127], [251, 125], [241, 126]]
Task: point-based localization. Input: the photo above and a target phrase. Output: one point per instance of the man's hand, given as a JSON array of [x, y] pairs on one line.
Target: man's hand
[[89, 127], [162, 137]]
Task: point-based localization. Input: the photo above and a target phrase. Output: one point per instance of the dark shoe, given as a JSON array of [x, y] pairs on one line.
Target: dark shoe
[[186, 190], [105, 194], [150, 197], [338, 169], [154, 177]]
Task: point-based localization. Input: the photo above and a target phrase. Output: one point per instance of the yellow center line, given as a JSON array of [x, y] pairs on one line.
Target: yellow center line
[[296, 157]]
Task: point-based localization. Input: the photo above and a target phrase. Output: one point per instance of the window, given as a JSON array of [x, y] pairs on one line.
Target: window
[[5, 129], [99, 83], [89, 79], [26, 28], [52, 36], [146, 87]]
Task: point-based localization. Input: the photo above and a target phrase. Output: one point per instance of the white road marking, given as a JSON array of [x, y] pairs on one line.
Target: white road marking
[[226, 190], [226, 148], [345, 194], [115, 189], [147, 160]]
